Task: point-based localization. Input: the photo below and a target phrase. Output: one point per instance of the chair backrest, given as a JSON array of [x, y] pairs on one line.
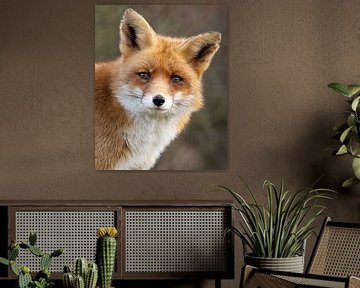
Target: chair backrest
[[337, 251]]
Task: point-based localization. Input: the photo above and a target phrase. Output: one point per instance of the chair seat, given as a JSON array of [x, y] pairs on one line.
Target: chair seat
[[315, 282], [263, 278]]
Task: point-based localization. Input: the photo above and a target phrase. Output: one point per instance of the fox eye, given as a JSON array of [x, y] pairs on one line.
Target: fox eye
[[144, 75], [176, 79]]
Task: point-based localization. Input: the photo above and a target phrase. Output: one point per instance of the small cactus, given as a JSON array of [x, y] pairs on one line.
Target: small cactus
[[44, 273], [32, 238], [106, 254], [88, 273], [68, 280], [36, 251], [57, 253], [79, 282], [13, 253], [45, 261], [24, 278], [91, 276], [80, 268]]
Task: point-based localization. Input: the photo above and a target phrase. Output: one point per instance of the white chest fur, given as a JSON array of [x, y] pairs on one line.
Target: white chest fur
[[147, 138]]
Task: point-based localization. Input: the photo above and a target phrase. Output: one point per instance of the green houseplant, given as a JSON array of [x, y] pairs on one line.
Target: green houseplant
[[348, 132], [275, 233], [42, 278]]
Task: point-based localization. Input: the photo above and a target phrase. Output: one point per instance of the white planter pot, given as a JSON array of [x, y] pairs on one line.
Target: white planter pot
[[291, 264]]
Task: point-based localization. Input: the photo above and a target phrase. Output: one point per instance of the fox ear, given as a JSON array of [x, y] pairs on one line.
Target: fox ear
[[135, 33], [199, 50]]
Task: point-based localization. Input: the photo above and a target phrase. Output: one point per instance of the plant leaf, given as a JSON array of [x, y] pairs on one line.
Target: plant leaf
[[353, 89], [14, 268], [4, 261], [349, 182], [356, 167], [342, 150], [345, 134], [354, 144], [340, 88], [351, 120], [248, 190], [355, 103], [340, 127]]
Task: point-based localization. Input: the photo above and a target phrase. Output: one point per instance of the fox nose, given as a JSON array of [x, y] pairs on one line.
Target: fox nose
[[158, 100]]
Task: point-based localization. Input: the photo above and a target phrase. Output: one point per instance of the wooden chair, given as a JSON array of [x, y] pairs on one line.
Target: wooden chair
[[335, 262]]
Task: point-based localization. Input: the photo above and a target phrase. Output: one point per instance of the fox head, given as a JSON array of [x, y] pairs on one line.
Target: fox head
[[161, 75]]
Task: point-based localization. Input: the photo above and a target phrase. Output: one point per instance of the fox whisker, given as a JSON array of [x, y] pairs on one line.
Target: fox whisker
[[133, 96]]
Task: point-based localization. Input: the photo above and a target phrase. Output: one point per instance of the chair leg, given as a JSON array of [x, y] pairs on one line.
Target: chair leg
[[217, 283], [246, 276]]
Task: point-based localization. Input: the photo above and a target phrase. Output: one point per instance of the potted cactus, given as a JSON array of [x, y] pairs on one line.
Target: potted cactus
[[42, 278], [84, 275], [106, 254], [348, 132]]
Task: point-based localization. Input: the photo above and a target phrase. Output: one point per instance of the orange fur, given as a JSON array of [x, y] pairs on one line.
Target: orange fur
[[124, 111]]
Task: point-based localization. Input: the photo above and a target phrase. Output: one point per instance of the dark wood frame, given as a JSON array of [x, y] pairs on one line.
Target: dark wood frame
[[119, 208], [4, 242]]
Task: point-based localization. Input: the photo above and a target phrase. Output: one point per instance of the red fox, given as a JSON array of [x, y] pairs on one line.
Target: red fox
[[145, 98]]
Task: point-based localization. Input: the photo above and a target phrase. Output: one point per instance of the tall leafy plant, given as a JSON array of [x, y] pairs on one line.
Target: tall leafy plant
[[279, 229], [348, 132]]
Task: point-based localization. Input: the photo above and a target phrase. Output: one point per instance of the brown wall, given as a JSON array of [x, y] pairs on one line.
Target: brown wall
[[282, 55]]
